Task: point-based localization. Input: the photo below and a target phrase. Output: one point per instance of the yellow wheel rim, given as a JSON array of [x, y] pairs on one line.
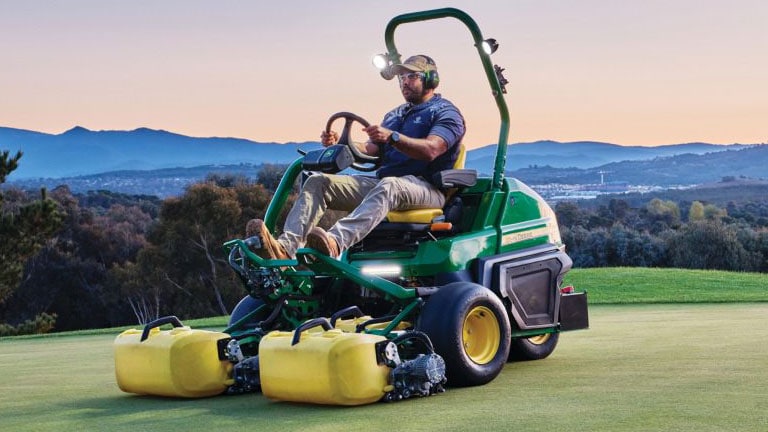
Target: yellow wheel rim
[[540, 339], [481, 335]]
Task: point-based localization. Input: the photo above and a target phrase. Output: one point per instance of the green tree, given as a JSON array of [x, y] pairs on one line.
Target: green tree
[[696, 212], [226, 180], [142, 291], [662, 214], [627, 247], [70, 275], [570, 215], [709, 245], [270, 175], [24, 228], [586, 247], [183, 269], [714, 213], [190, 233]]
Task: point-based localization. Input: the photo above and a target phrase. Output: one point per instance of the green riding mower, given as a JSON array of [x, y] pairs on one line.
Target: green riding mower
[[481, 277], [430, 297]]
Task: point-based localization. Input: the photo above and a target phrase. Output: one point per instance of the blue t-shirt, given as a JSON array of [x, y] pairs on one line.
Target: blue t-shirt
[[437, 116]]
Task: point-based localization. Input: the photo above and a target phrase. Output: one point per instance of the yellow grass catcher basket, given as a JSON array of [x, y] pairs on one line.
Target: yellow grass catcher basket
[[180, 362], [329, 367]]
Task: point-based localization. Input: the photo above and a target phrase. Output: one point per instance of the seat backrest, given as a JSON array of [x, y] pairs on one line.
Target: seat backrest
[[459, 164]]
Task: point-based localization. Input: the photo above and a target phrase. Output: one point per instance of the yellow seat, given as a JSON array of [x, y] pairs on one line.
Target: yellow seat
[[427, 215], [414, 216]]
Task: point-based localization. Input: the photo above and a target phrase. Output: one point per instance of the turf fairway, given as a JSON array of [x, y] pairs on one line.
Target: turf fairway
[[683, 367]]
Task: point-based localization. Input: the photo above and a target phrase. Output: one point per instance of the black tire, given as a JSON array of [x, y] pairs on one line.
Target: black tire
[[533, 348], [470, 329], [247, 305]]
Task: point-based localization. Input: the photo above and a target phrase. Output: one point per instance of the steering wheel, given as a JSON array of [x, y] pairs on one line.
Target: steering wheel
[[363, 162]]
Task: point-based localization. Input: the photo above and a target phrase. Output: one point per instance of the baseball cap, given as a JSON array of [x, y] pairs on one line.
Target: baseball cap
[[417, 63]]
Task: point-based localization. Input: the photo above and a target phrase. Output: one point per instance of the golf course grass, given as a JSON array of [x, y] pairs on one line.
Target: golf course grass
[[640, 367], [630, 285]]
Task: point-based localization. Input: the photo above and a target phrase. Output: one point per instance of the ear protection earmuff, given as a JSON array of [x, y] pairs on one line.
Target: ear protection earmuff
[[431, 78]]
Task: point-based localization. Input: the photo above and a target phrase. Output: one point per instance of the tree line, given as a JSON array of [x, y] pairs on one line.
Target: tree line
[[664, 233], [102, 259], [106, 259]]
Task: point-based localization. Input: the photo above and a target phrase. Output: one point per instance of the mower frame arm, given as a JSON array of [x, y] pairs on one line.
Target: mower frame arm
[[280, 197]]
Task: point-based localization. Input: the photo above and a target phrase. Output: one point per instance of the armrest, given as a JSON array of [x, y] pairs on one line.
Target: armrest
[[453, 178]]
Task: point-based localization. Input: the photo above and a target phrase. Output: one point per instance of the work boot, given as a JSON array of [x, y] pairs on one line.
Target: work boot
[[270, 248], [323, 242]]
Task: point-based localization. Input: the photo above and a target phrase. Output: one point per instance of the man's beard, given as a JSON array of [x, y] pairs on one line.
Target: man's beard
[[413, 96]]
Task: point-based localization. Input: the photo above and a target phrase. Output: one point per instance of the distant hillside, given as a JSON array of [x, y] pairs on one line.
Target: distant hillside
[[685, 169], [732, 191], [581, 154], [161, 182], [79, 152]]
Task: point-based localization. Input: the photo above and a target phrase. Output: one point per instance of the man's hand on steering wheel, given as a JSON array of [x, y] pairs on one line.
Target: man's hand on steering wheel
[[329, 138], [378, 134], [363, 161]]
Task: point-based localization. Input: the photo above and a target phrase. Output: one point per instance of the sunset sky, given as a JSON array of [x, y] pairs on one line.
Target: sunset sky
[[645, 72]]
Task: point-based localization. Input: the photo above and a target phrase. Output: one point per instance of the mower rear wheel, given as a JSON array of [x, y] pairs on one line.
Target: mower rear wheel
[[534, 347], [470, 329]]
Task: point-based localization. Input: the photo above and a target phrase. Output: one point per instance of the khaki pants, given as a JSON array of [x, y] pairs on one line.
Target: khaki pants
[[368, 199]]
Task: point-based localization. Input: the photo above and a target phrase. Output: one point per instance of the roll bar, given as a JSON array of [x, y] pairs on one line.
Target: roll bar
[[497, 89]]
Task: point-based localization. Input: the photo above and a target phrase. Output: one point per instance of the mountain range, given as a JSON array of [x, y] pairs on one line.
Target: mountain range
[[148, 161], [582, 154], [80, 151], [668, 171]]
